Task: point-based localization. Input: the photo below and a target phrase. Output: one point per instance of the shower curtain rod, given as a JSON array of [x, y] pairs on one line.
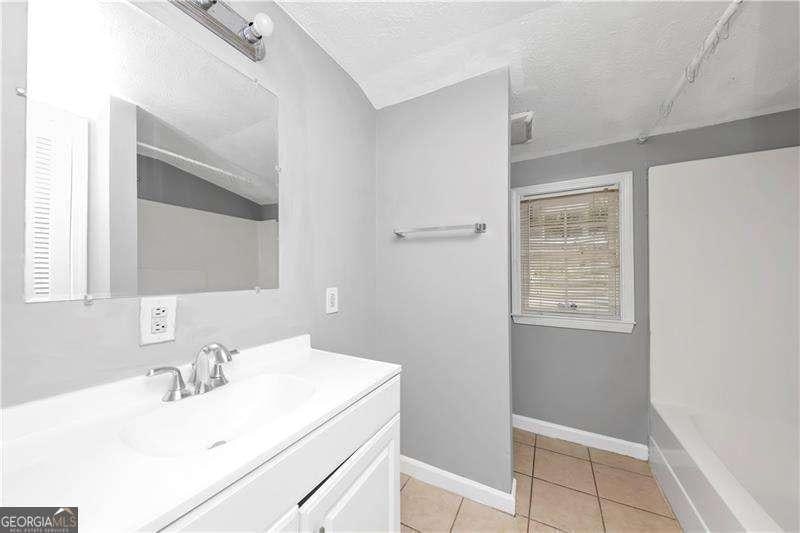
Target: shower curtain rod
[[721, 31], [184, 159]]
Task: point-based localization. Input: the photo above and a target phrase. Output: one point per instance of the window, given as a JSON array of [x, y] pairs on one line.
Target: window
[[573, 254]]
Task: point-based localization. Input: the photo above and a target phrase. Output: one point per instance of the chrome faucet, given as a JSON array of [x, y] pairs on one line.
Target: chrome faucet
[[207, 372], [177, 388]]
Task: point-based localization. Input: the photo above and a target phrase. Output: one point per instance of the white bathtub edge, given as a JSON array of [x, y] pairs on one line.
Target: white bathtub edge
[[713, 489], [682, 505]]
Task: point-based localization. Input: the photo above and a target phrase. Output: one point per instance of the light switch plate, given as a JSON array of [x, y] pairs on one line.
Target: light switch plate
[[157, 319], [332, 300]]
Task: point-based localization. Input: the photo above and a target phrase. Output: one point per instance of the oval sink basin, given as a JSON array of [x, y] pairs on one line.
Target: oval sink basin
[[202, 422]]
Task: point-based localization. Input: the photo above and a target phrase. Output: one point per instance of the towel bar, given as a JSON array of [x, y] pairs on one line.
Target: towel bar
[[477, 227]]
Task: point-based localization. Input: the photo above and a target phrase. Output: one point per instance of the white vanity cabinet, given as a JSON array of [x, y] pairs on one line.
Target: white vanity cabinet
[[342, 476]]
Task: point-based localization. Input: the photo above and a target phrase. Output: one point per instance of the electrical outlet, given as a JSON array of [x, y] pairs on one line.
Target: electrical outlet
[[332, 300], [157, 319]]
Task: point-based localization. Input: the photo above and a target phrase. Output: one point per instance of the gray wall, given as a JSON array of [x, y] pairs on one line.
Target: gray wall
[[598, 381], [442, 300], [327, 231], [158, 181]]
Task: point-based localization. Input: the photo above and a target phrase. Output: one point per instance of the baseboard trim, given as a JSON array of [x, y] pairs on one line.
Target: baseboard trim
[[460, 485], [587, 438]]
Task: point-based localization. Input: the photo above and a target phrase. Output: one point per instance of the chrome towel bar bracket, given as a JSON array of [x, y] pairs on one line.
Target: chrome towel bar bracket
[[477, 227]]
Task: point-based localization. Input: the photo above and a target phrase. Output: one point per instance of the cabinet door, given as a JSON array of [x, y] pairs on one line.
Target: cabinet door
[[364, 493], [288, 523]]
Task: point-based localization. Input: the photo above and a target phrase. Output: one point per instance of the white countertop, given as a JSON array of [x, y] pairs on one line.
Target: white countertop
[[66, 450]]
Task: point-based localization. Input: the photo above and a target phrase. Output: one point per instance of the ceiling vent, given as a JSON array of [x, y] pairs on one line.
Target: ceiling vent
[[521, 127]]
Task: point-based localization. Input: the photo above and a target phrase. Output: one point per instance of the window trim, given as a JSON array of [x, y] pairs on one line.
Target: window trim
[[626, 322]]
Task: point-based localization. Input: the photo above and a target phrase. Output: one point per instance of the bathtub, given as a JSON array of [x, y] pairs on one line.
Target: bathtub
[[723, 473]]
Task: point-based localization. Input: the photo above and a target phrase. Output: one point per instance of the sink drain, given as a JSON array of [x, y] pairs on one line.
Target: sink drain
[[218, 443]]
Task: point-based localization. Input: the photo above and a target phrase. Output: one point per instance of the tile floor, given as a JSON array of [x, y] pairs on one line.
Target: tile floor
[[561, 486]]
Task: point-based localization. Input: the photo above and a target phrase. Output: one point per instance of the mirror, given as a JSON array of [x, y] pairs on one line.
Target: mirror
[[151, 165]]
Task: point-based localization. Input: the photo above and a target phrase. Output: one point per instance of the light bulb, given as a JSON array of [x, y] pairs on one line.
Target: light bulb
[[263, 25]]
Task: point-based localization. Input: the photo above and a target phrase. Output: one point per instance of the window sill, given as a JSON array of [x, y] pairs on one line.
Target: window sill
[[597, 324]]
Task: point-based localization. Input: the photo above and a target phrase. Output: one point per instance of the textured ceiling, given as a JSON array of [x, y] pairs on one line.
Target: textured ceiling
[[592, 73]]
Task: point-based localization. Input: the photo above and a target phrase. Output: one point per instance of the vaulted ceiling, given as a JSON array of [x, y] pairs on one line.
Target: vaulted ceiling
[[592, 72]]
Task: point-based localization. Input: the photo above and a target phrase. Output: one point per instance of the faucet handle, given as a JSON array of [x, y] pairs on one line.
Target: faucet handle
[[177, 389]]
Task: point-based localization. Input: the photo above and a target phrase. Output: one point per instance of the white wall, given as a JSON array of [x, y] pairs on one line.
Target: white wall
[[327, 221], [724, 312], [268, 253], [442, 300], [122, 196]]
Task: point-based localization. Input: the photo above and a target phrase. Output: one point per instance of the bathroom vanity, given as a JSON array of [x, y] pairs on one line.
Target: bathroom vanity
[[299, 440]]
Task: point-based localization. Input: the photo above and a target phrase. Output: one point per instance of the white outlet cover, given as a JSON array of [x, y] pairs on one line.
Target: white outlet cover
[[147, 307], [332, 300]]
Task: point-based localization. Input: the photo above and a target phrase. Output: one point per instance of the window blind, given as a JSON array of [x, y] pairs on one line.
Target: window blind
[[569, 254]]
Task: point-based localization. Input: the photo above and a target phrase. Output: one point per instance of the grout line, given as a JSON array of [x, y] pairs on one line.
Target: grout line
[[565, 486], [623, 469], [661, 493], [456, 516], [530, 509], [640, 509], [533, 454], [545, 523], [530, 504], [597, 491], [565, 455], [409, 527]]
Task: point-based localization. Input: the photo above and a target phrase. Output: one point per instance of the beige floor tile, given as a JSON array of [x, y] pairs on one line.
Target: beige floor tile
[[562, 446], [523, 494], [564, 508], [538, 527], [403, 480], [620, 517], [523, 459], [405, 529], [632, 489], [476, 517], [564, 470], [427, 508], [619, 461], [524, 437]]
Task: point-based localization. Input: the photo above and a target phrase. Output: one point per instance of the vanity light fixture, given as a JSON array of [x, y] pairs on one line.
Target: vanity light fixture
[[246, 36], [205, 4]]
